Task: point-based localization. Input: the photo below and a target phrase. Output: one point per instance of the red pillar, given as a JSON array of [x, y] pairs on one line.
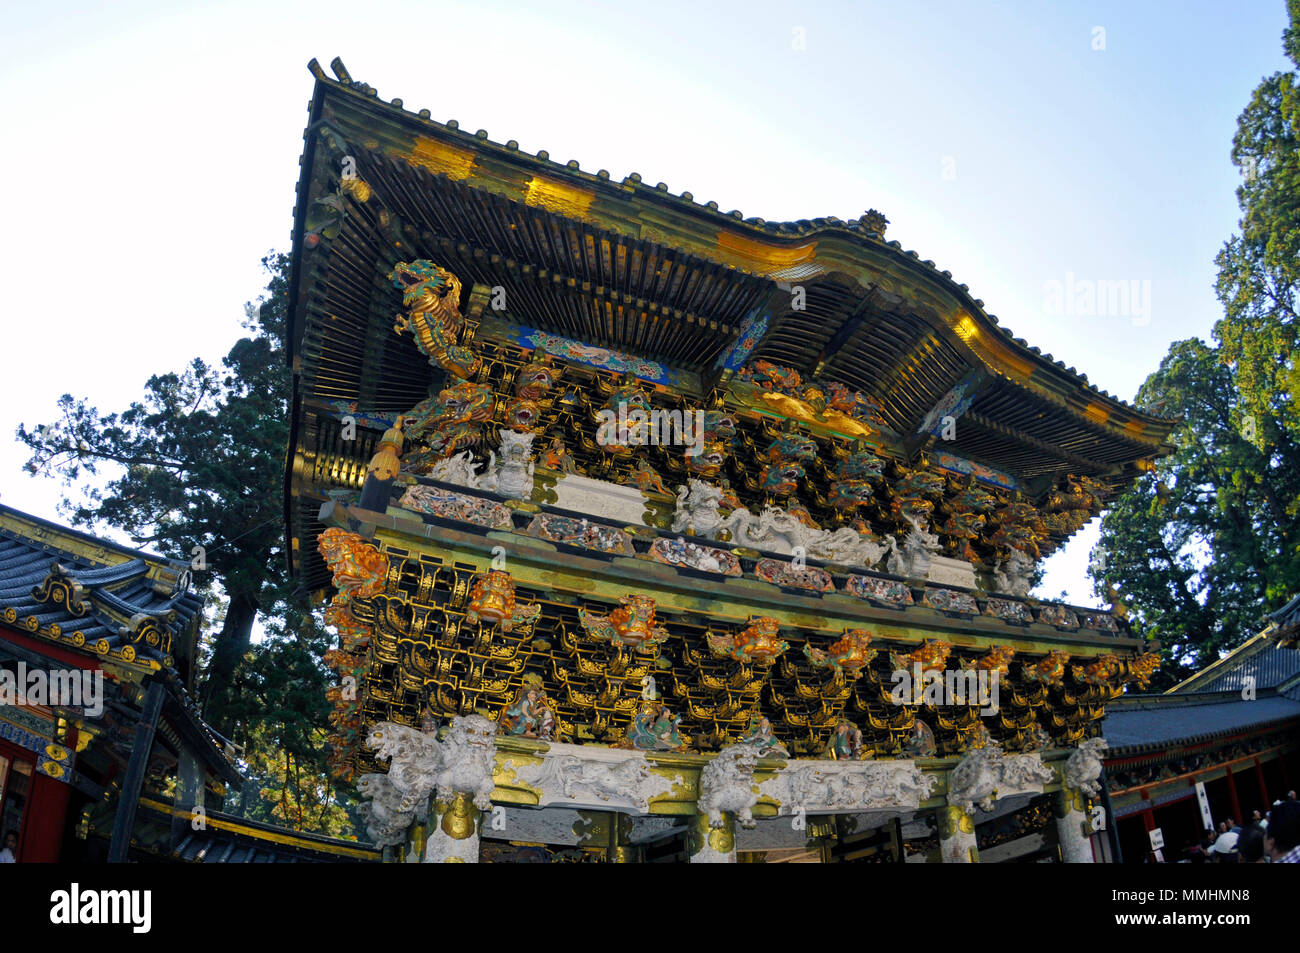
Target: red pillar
[[1263, 788], [1232, 796], [47, 814]]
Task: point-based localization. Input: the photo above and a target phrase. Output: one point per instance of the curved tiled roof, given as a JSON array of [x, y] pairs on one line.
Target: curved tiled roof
[[93, 596], [867, 229]]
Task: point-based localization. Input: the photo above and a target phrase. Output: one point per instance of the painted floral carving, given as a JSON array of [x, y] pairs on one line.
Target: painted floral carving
[[1008, 611], [889, 592], [566, 529], [950, 600], [1058, 616], [456, 506], [677, 551], [781, 573]]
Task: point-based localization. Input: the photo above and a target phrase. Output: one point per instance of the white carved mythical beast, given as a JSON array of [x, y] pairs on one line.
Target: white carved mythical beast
[[512, 476], [912, 561], [727, 784], [778, 531], [1083, 767], [697, 509]]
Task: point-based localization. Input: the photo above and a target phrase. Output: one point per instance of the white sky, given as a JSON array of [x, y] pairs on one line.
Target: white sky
[[151, 152]]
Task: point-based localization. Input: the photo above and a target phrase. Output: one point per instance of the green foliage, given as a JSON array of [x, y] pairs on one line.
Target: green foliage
[[1207, 544], [198, 461]]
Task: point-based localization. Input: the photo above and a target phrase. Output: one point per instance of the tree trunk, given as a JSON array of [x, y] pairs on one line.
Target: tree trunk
[[233, 641]]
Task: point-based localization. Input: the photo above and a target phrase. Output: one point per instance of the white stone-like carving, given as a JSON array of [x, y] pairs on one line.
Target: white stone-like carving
[[1023, 774], [413, 757], [420, 765], [697, 510], [1083, 767], [387, 811], [442, 849], [828, 787], [985, 774], [777, 531], [460, 470], [466, 760], [974, 782], [1014, 575], [727, 784], [512, 476], [919, 547], [951, 572], [581, 494], [600, 778]]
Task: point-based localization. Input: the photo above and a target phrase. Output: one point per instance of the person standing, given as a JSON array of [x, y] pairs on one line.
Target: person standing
[[9, 853], [1282, 839]]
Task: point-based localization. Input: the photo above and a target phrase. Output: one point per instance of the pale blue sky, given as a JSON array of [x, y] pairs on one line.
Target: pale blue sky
[[151, 152]]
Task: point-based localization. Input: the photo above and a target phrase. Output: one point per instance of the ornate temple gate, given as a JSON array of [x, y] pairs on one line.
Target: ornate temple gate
[[646, 522], [442, 799]]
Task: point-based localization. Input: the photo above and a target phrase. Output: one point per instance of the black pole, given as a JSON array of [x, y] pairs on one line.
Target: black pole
[[1112, 822], [129, 799]]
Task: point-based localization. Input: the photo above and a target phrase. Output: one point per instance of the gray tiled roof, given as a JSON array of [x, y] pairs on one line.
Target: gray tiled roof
[[1152, 720], [116, 594], [1269, 669]]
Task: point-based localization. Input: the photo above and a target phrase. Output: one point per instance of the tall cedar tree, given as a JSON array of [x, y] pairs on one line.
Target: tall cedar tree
[[1210, 541], [199, 462]]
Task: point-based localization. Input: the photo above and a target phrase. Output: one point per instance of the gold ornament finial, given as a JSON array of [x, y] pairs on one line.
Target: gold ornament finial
[[387, 462]]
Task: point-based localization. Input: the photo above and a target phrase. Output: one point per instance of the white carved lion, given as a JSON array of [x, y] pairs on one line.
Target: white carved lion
[[413, 757], [697, 509], [727, 784], [388, 814], [1014, 575], [1083, 767], [602, 779], [1024, 772], [467, 757], [513, 475], [974, 782]]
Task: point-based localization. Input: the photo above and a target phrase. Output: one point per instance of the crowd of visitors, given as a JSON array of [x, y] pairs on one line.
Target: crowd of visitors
[[1271, 839]]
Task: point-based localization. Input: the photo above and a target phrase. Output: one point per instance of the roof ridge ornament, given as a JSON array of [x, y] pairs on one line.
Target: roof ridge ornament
[[61, 586]]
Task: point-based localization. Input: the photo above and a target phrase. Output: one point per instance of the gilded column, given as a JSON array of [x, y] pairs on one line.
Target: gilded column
[[713, 845], [1073, 827], [455, 838], [1080, 780], [957, 836], [619, 850]]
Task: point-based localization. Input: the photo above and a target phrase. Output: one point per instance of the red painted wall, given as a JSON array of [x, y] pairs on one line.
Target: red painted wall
[[47, 817]]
